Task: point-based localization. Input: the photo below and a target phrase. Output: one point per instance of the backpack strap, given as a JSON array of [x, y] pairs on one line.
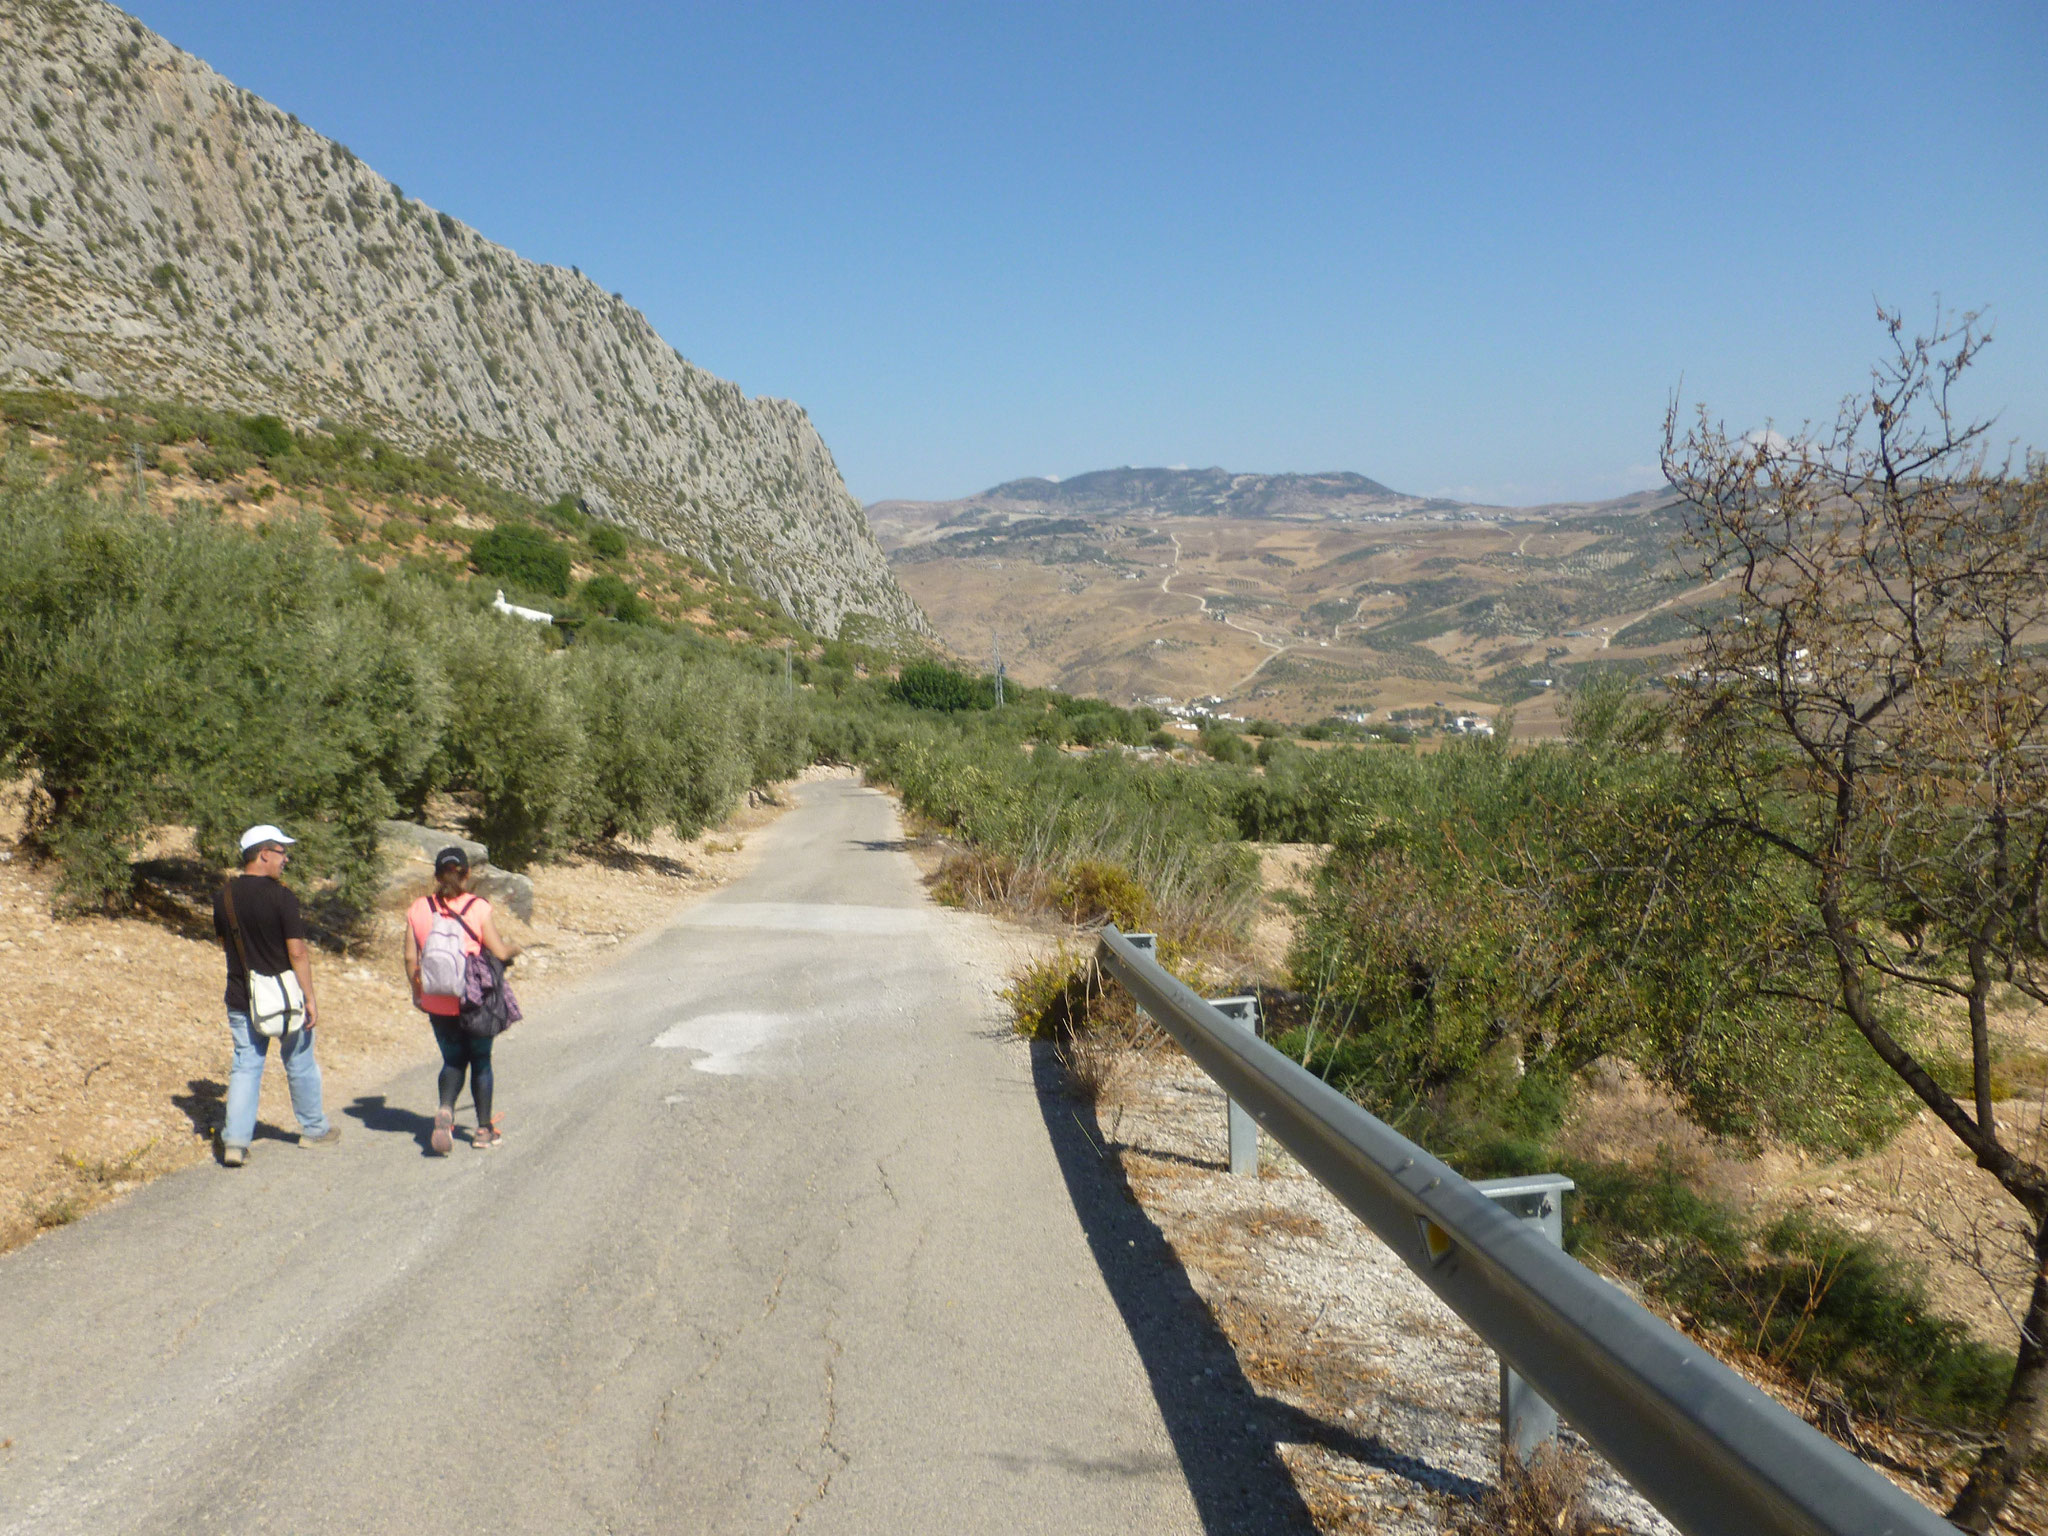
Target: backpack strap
[[441, 905], [227, 899]]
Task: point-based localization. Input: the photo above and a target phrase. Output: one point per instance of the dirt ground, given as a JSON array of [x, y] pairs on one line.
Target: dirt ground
[[113, 1043]]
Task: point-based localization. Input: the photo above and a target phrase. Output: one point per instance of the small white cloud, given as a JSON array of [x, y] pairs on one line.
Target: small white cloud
[[1770, 441]]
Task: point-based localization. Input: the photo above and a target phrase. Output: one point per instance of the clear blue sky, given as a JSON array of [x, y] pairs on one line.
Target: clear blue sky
[[1465, 250]]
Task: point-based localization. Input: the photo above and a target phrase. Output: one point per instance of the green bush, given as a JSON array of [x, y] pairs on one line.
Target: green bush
[[268, 436], [1226, 746], [1804, 1295], [928, 685], [182, 671], [608, 595], [522, 553], [675, 747], [606, 542], [566, 513]]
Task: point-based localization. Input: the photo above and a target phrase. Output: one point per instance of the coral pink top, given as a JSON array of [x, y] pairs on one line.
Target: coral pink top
[[421, 914]]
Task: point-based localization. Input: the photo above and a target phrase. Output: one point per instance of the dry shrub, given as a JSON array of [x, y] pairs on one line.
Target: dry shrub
[[1066, 995], [1545, 1498], [1094, 1065], [1102, 891], [982, 881]]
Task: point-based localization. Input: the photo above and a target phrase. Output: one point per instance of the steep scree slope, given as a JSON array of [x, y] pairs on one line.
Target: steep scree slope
[[165, 232]]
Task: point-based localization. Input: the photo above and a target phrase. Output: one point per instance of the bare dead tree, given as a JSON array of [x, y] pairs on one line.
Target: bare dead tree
[[1875, 712]]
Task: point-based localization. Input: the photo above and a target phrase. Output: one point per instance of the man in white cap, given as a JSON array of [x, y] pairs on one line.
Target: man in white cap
[[260, 927]]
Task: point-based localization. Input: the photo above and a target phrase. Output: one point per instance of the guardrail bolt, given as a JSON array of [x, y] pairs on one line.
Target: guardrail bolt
[[1244, 1130], [1526, 1421]]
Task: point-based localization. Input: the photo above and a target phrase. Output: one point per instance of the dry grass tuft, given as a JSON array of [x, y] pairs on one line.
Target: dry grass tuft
[[1094, 1067], [1545, 1498], [981, 881], [110, 1170]]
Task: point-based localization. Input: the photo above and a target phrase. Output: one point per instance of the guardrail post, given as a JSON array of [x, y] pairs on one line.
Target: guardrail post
[[1244, 1130], [1526, 1420]]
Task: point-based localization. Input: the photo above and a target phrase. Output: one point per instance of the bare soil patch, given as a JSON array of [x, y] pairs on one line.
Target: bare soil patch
[[113, 1041], [1287, 874]]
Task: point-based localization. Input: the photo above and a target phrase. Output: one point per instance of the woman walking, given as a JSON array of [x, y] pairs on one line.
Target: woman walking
[[462, 918]]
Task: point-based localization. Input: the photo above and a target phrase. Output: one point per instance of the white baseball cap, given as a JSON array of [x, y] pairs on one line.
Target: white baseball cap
[[265, 833]]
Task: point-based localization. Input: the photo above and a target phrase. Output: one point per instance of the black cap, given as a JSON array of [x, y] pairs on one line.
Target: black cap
[[450, 858]]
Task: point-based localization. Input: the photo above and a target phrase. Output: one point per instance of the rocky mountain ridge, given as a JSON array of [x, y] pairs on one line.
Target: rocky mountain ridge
[[1133, 492], [166, 233]]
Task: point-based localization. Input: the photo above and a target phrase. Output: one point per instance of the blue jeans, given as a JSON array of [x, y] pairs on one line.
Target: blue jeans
[[245, 1080]]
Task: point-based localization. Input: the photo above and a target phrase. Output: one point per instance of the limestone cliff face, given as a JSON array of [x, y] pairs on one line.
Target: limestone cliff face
[[164, 232]]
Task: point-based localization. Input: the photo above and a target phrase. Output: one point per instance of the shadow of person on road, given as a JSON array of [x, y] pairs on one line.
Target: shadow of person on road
[[1224, 1430], [205, 1104], [379, 1114]]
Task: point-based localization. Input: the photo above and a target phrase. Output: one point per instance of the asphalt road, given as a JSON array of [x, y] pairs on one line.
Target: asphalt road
[[782, 1234]]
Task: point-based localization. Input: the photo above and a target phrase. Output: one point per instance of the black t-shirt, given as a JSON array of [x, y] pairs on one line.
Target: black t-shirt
[[267, 914]]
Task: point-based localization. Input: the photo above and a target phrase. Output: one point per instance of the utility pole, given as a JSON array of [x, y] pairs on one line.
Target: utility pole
[[998, 660]]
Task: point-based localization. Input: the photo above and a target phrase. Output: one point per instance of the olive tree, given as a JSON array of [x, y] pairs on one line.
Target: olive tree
[[1873, 713]]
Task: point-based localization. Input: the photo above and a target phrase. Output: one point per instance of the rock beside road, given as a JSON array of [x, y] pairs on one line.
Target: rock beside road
[[417, 846]]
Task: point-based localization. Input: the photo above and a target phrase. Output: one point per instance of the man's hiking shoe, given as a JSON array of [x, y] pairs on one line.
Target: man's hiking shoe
[[233, 1157], [444, 1132], [328, 1139]]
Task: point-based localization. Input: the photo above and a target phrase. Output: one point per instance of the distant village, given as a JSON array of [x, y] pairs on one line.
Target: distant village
[[1210, 709]]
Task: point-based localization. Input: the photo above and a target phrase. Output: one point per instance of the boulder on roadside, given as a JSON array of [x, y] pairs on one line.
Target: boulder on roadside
[[413, 871], [428, 841], [502, 888]]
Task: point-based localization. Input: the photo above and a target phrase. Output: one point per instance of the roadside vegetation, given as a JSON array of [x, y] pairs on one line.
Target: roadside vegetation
[[1798, 886], [1791, 886], [232, 659]]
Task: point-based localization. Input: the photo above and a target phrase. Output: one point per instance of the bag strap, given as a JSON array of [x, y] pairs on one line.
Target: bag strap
[[473, 900], [227, 898]]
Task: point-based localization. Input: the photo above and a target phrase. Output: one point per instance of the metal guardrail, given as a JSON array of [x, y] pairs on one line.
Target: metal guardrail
[[1708, 1449]]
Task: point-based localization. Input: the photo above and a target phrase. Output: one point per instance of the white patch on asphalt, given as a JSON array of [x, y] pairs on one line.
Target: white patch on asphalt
[[804, 917], [726, 1040]]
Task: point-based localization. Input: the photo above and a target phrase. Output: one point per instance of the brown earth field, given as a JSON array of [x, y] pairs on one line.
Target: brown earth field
[[113, 1041], [1296, 618]]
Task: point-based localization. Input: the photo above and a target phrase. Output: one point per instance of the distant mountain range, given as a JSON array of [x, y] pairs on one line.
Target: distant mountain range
[[1296, 595], [1165, 493], [1336, 496]]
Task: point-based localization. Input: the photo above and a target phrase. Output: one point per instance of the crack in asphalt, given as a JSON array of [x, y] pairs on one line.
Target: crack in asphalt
[[839, 1459]]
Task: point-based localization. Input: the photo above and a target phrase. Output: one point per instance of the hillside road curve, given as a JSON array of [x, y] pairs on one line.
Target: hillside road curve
[[777, 1238]]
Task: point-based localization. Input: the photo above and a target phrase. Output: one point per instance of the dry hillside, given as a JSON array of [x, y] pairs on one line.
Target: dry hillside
[[1294, 606]]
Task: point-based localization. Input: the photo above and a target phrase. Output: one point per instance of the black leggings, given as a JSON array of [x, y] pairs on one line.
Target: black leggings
[[459, 1050]]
